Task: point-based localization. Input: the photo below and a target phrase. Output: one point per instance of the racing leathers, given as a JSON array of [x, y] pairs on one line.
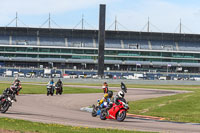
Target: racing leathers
[[60, 84]]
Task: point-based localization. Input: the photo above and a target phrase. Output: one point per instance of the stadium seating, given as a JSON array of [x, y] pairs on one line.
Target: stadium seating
[[112, 43], [24, 40], [136, 44], [93, 43], [189, 46], [78, 42], [52, 41], [4, 40]]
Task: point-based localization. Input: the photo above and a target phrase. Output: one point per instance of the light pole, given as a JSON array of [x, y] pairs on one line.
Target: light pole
[[167, 70], [168, 65]]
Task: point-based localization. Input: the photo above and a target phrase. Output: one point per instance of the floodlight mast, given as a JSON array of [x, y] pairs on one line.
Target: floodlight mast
[[101, 39]]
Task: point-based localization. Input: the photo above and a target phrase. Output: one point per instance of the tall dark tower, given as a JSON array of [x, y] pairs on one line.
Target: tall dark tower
[[101, 39]]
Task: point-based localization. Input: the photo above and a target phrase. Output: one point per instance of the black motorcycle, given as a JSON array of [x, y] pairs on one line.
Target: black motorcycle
[[58, 89], [50, 90], [6, 102]]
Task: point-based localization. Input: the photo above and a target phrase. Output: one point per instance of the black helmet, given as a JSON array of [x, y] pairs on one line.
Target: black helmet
[[110, 94]]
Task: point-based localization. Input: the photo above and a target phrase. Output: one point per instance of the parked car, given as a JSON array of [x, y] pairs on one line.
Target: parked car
[[95, 76], [28, 75], [20, 74]]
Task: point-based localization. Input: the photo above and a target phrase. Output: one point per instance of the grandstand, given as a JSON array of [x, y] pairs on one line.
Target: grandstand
[[78, 49]]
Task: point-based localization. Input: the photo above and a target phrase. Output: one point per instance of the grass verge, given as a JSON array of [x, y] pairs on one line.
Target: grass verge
[[41, 89], [36, 127], [180, 108]]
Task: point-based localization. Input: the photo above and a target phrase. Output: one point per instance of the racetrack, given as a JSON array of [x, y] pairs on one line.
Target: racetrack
[[65, 109]]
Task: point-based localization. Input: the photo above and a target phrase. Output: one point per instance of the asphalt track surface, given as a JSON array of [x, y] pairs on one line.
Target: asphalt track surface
[[65, 109]]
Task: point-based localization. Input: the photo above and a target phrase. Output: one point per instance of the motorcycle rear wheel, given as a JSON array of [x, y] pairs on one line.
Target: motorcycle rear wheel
[[121, 116]]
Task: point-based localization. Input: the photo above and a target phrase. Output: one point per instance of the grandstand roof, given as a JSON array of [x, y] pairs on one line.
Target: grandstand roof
[[52, 32]]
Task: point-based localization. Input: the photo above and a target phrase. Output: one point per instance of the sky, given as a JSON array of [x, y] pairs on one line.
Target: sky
[[131, 15]]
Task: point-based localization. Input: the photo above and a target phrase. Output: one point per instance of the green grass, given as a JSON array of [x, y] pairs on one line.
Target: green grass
[[36, 127], [180, 108], [41, 89]]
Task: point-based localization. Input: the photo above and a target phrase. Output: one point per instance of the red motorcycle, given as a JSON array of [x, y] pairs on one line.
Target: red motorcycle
[[117, 112]]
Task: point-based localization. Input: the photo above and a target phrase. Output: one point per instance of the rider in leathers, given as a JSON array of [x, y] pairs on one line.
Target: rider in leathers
[[119, 97], [60, 84], [106, 98]]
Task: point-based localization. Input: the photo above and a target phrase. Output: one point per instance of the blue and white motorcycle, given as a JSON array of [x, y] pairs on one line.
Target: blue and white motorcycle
[[97, 109]]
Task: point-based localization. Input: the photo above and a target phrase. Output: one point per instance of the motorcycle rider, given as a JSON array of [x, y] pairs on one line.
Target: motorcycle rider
[[106, 98], [105, 87], [16, 85], [51, 83], [16, 81], [101, 104], [60, 84], [119, 97]]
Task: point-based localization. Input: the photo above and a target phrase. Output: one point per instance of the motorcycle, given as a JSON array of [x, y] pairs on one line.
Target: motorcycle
[[50, 89], [97, 109], [6, 102], [117, 112], [58, 89]]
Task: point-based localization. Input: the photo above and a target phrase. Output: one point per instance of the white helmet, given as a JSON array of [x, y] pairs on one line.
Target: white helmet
[[121, 94]]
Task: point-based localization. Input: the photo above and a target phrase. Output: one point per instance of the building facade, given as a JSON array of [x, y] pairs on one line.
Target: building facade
[[78, 49]]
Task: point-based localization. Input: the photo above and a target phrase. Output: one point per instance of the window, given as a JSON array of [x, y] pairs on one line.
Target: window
[[1, 48], [77, 51], [166, 54], [10, 49], [55, 50], [44, 50], [66, 51], [31, 49]]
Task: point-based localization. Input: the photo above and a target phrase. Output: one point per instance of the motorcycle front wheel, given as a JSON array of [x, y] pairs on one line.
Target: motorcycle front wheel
[[121, 116], [94, 112], [5, 107]]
